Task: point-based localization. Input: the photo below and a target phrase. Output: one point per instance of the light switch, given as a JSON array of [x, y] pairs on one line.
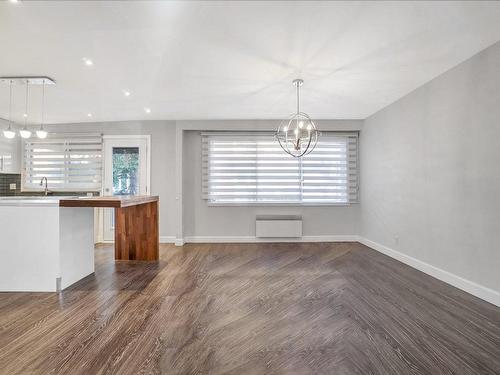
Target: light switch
[[12, 186]]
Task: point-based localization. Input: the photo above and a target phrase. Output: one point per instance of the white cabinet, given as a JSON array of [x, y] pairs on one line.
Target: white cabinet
[[10, 155]]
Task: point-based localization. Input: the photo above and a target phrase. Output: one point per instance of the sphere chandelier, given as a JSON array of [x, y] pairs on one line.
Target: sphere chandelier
[[297, 135]]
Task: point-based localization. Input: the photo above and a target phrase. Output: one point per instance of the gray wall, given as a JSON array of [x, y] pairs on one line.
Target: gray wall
[[201, 220], [430, 177]]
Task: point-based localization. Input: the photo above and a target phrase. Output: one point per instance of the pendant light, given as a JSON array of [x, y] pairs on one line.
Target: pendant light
[[25, 132], [9, 133], [42, 133], [297, 135]]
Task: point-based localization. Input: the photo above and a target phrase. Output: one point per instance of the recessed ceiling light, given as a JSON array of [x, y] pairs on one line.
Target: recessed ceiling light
[[87, 61], [89, 114], [147, 110], [126, 92], [25, 115], [13, 1]]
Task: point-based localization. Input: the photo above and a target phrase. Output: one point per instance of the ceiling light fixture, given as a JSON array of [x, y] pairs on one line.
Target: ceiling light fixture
[[25, 132], [126, 92], [42, 133], [13, 1], [87, 61], [297, 135], [9, 133], [147, 110], [89, 114]]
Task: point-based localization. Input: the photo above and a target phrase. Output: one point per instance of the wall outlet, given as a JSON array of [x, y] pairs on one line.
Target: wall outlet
[[12, 186]]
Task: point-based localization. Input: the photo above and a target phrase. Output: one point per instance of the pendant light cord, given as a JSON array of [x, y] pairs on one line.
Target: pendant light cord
[[10, 103], [26, 107], [43, 104]]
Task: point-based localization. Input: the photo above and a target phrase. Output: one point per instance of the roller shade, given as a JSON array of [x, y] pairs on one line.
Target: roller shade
[[252, 168], [70, 162]]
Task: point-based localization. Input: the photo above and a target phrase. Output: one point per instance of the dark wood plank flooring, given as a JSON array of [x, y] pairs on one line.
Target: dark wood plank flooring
[[251, 309]]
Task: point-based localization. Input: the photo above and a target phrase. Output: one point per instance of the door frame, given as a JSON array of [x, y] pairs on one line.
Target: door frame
[[147, 138]]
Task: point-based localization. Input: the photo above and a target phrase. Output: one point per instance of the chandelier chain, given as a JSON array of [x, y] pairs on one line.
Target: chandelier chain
[[298, 98]]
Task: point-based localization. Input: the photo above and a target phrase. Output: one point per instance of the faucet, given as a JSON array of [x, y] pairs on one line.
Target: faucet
[[46, 183]]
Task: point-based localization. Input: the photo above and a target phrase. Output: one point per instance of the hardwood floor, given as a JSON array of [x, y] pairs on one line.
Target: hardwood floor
[[251, 309]]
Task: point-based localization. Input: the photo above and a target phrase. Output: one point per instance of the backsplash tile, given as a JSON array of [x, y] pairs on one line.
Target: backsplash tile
[[7, 178]]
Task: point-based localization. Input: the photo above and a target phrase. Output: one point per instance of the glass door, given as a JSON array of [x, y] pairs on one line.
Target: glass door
[[126, 172]]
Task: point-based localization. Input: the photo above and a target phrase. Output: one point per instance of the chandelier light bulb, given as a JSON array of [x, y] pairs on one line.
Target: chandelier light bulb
[[303, 141]]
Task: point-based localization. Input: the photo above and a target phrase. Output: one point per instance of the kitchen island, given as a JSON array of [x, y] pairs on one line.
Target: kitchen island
[[136, 223], [47, 243]]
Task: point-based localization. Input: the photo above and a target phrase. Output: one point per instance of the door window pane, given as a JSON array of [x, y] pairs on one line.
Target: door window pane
[[126, 171]]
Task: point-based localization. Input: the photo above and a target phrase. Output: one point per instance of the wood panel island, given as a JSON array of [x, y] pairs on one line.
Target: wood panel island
[[136, 223], [48, 242]]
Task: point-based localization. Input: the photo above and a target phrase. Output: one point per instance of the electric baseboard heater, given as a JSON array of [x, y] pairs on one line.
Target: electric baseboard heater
[[278, 226]]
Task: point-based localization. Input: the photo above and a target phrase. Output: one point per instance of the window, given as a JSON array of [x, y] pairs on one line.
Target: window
[[70, 162], [251, 168]]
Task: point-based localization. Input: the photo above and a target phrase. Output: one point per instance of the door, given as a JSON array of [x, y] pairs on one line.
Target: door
[[126, 172]]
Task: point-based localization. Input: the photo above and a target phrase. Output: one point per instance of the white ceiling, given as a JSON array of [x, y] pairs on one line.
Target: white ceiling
[[233, 60]]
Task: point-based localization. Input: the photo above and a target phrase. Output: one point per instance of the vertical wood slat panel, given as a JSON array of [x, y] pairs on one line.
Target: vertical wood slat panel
[[136, 232]]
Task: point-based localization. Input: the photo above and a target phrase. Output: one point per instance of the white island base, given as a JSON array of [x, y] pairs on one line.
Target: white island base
[[44, 247]]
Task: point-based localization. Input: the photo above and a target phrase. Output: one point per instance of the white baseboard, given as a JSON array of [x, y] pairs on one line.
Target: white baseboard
[[167, 239], [251, 239], [468, 286]]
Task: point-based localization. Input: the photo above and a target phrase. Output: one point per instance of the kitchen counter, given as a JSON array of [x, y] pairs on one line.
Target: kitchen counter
[[115, 201], [31, 201], [45, 248], [136, 223], [48, 242]]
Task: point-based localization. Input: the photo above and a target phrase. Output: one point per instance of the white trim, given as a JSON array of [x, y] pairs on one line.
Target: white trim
[[126, 136], [253, 239], [107, 138], [179, 203], [147, 137], [277, 204], [167, 239], [468, 286]]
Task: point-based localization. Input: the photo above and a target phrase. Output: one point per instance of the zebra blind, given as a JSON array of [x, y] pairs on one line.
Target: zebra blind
[[7, 151], [71, 162], [246, 168]]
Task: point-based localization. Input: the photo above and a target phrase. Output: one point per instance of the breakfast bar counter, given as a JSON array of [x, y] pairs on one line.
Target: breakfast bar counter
[[136, 223]]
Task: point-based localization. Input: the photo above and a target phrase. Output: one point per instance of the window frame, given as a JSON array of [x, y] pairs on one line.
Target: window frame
[[211, 203], [56, 189]]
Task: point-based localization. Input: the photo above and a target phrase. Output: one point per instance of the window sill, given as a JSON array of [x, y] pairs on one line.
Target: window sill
[[212, 204]]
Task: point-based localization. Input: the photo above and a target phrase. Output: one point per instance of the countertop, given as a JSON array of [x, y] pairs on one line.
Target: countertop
[[116, 201], [50, 201]]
